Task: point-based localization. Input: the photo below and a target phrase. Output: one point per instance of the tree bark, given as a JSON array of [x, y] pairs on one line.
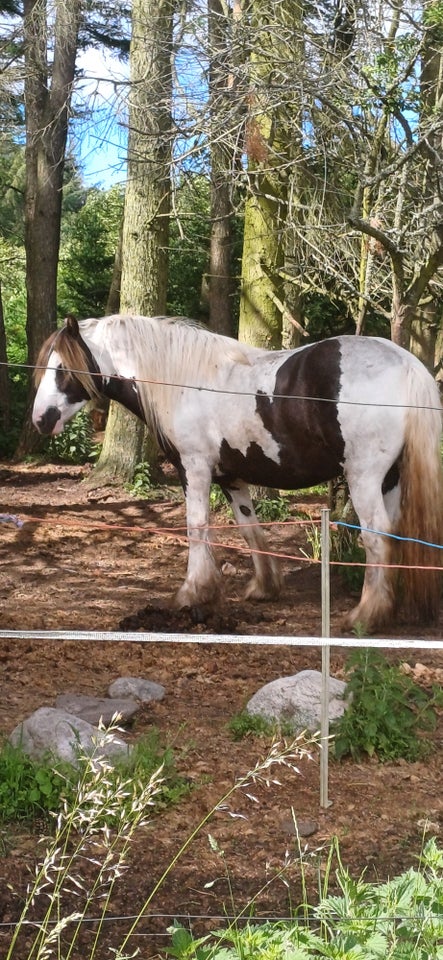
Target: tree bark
[[5, 407], [220, 285], [269, 145], [47, 100], [146, 216]]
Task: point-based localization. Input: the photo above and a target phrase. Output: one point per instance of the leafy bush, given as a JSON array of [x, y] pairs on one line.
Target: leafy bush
[[387, 712], [31, 789], [272, 508], [401, 919], [76, 444]]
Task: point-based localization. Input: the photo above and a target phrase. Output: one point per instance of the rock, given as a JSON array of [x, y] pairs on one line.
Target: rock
[[97, 709], [64, 736], [136, 687], [301, 828], [297, 700]]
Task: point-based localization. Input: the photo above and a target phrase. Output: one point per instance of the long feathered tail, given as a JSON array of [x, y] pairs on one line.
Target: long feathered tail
[[421, 479]]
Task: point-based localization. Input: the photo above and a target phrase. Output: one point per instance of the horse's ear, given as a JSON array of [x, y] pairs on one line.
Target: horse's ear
[[72, 325]]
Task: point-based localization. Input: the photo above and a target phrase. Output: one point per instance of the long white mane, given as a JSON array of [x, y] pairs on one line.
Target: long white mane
[[166, 352]]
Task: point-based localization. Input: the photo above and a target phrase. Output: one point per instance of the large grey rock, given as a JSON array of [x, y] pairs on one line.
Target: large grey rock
[[97, 709], [136, 687], [297, 700], [64, 736]]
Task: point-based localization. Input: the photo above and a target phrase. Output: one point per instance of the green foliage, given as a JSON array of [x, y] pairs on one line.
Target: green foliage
[[398, 920], [189, 236], [313, 537], [272, 508], [387, 712], [30, 789], [89, 852], [147, 756], [89, 243], [327, 317], [12, 272], [141, 485], [12, 191], [217, 499], [76, 443], [188, 247], [252, 725], [347, 549]]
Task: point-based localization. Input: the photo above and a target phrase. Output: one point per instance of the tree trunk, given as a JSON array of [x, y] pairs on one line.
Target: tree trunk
[[401, 322], [424, 332], [269, 146], [47, 99], [220, 286], [5, 397], [146, 216], [260, 321], [425, 329], [113, 301]]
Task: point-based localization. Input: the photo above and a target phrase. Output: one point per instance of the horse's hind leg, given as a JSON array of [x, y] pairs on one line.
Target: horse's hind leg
[[376, 513], [266, 582], [203, 579]]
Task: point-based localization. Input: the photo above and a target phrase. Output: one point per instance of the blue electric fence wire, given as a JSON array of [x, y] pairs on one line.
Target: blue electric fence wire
[[382, 533]]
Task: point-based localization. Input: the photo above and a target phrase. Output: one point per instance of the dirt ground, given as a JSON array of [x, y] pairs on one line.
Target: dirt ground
[[107, 563]]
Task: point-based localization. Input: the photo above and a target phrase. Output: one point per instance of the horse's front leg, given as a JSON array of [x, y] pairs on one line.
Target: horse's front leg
[[266, 582], [203, 579]]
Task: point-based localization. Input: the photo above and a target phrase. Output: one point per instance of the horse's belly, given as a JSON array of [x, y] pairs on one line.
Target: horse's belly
[[294, 469]]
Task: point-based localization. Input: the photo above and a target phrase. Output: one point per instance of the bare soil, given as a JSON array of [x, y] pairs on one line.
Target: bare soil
[[105, 561]]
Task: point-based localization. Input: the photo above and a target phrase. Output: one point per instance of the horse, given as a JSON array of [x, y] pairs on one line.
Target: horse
[[230, 413]]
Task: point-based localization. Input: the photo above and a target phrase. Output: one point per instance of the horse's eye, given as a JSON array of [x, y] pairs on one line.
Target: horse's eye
[[63, 377]]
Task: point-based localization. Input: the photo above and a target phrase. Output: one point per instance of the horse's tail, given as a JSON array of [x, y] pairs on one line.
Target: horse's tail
[[421, 513]]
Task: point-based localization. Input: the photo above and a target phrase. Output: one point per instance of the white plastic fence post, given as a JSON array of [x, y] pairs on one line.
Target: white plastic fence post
[[325, 661]]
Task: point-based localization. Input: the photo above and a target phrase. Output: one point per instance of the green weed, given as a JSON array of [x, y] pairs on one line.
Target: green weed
[[252, 725], [141, 485], [401, 919], [387, 712], [313, 537], [347, 549], [76, 443], [31, 789], [217, 499], [270, 509]]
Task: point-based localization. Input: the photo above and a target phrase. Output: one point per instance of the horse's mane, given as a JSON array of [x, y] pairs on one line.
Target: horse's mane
[[165, 352], [162, 353]]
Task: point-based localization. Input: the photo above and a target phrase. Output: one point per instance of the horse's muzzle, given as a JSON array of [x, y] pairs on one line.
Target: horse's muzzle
[[46, 423]]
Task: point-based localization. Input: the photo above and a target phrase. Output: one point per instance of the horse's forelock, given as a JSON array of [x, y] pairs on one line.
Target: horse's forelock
[[43, 356], [72, 357]]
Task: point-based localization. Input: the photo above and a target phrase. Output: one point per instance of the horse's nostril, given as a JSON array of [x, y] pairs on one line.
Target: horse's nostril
[[48, 420]]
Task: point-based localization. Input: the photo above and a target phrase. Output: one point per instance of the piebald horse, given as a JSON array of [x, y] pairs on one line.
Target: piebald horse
[[229, 413]]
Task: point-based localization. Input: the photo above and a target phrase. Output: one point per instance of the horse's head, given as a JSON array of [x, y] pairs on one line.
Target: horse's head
[[64, 378]]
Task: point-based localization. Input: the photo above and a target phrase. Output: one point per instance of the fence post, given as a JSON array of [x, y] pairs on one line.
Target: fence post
[[325, 658]]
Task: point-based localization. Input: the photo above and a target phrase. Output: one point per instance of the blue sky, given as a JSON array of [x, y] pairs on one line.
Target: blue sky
[[99, 141]]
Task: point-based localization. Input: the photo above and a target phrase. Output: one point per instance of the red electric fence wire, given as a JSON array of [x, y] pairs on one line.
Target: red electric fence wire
[[185, 538]]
